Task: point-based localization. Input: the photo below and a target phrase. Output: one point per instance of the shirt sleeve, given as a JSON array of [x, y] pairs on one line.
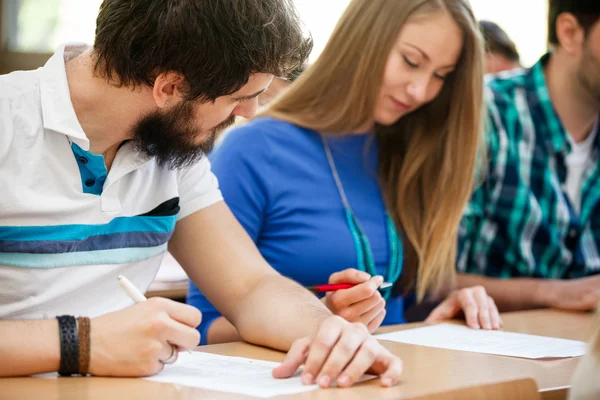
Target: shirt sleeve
[[198, 188], [242, 164]]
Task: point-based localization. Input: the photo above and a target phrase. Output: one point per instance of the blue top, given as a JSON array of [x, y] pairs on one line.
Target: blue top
[[276, 179]]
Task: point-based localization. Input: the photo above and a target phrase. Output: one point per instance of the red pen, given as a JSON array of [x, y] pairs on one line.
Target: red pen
[[339, 286]]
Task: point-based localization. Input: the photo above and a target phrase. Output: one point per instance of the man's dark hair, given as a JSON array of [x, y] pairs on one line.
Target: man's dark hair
[[587, 13], [296, 72], [215, 44], [497, 41]]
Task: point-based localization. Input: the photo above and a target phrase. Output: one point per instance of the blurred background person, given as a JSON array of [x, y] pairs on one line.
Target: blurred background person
[[501, 53], [531, 232]]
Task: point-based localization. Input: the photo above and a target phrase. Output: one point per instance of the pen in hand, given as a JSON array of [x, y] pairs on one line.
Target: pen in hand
[[134, 294], [339, 286], [130, 290]]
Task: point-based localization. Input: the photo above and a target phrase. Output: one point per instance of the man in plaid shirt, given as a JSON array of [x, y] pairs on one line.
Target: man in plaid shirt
[[531, 233]]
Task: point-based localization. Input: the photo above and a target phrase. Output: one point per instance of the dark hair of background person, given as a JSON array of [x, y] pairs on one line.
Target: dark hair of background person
[[216, 45], [497, 41], [587, 13]]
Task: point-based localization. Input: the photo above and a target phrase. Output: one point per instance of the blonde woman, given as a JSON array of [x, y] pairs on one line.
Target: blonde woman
[[360, 172]]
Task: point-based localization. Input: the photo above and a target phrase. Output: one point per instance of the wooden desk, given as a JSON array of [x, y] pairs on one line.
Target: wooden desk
[[427, 370], [170, 290]]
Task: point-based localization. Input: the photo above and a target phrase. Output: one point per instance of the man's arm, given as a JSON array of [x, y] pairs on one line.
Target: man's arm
[[527, 293], [509, 294], [130, 342], [222, 331], [29, 347], [226, 266]]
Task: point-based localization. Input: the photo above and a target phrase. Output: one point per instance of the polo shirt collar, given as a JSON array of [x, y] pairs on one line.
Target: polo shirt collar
[[57, 109]]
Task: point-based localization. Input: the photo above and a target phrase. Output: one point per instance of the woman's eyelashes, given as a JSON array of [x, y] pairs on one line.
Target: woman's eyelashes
[[410, 62], [415, 65]]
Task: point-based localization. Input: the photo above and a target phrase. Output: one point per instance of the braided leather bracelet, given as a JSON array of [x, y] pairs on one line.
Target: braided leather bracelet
[[69, 346], [83, 333]]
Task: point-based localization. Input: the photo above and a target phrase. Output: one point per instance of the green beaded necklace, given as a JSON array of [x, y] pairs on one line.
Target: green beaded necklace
[[364, 254]]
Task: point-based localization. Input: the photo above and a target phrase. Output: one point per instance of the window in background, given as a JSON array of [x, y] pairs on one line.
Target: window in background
[[42, 25], [33, 24]]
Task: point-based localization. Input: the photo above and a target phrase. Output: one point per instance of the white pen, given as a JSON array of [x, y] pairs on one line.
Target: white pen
[[130, 290], [133, 293]]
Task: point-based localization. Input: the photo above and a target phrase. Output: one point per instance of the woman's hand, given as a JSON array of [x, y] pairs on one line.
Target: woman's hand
[[480, 309], [362, 303]]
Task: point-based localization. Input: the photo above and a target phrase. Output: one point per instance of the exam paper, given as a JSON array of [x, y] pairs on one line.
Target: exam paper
[[231, 374], [460, 337]]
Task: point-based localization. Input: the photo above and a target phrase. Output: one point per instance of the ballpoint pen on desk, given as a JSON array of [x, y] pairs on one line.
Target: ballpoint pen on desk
[[134, 293], [339, 286]]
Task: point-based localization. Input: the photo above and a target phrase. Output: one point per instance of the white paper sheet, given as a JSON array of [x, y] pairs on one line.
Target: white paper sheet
[[460, 337], [170, 270], [231, 374]]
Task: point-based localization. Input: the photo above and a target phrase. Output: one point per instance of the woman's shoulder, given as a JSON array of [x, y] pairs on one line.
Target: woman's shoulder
[[271, 127], [264, 134]]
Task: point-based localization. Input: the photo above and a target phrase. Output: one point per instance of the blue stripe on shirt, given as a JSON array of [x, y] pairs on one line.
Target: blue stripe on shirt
[[113, 256], [160, 224], [92, 243]]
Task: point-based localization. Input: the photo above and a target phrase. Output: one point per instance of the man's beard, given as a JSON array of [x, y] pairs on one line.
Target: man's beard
[[171, 137]]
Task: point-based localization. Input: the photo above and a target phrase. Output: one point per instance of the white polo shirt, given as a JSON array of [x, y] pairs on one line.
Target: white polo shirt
[[67, 228]]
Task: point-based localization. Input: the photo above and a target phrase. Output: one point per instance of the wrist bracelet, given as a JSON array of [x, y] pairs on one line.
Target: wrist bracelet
[[83, 334], [69, 345]]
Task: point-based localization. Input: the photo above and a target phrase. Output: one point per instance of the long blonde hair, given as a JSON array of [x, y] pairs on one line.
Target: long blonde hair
[[426, 159]]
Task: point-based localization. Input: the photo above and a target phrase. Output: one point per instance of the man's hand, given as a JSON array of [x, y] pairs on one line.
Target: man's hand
[[480, 309], [362, 303], [340, 352], [134, 341], [581, 294]]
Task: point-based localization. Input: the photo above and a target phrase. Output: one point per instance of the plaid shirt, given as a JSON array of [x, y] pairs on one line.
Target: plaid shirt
[[520, 221]]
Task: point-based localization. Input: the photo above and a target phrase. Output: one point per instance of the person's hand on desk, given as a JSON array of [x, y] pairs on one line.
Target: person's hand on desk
[[362, 303], [340, 352], [134, 341], [581, 294], [480, 309]]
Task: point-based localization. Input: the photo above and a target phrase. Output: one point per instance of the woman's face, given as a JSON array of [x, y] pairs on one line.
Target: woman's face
[[425, 53]]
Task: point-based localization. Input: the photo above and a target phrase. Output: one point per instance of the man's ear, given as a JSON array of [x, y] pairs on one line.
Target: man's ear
[[167, 88], [570, 33]]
